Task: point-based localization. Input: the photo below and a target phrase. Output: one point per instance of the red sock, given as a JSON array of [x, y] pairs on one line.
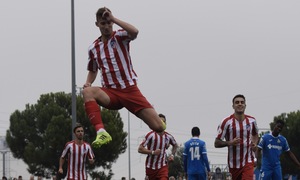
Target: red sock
[[92, 109]]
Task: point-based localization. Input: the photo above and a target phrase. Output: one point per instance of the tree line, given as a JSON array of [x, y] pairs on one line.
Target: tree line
[[37, 135]]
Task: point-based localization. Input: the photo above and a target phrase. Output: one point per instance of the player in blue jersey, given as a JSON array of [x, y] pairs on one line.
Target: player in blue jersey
[[195, 158], [272, 145]]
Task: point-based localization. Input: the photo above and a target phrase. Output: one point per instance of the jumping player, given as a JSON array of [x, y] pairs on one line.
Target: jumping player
[[110, 55]]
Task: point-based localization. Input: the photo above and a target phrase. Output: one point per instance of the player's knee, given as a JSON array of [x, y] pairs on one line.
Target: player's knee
[[161, 127], [86, 92]]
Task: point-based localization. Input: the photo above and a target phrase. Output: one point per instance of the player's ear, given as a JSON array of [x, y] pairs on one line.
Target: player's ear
[[96, 23]]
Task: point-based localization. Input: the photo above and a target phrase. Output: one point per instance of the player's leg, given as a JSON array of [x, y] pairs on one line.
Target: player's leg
[[151, 174], [247, 171], [93, 96], [136, 103], [162, 173], [196, 177], [265, 174], [236, 173], [277, 174], [151, 118], [201, 176]]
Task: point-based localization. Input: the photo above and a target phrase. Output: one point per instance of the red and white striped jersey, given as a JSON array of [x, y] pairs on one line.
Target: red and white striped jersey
[[76, 155], [155, 141], [231, 128], [112, 58]]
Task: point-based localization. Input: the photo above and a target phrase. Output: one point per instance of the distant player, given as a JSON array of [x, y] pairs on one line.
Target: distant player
[[155, 145], [272, 145], [77, 152], [195, 157]]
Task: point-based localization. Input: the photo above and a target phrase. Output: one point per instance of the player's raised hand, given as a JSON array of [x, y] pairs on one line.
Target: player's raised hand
[[107, 15]]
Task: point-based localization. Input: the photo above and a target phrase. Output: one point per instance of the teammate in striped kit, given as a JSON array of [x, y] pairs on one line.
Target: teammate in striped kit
[[76, 152], [155, 146], [195, 159], [241, 137], [110, 54], [272, 145]]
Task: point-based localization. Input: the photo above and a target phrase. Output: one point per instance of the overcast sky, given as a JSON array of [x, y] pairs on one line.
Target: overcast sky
[[191, 57]]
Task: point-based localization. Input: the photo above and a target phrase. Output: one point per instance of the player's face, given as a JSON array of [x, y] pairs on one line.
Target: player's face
[[239, 105], [278, 128], [106, 27], [79, 133]]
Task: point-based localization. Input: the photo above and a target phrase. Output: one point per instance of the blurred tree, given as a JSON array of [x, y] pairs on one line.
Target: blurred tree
[[38, 134]]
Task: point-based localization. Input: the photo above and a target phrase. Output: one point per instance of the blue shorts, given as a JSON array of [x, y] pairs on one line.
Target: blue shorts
[[267, 174], [201, 176]]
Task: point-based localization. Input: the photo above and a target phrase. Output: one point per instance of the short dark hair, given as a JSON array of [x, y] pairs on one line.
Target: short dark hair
[[279, 121], [100, 12], [162, 116], [238, 96], [195, 131], [78, 125]]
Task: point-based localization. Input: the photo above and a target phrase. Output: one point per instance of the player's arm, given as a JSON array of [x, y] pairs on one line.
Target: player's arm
[[90, 78], [258, 155], [205, 159], [220, 143], [293, 157], [185, 158], [254, 142], [260, 147], [174, 149], [185, 163], [61, 163], [144, 150], [131, 30], [91, 156], [91, 160]]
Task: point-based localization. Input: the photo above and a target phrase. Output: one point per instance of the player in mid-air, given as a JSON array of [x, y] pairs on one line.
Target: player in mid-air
[[272, 145], [110, 55]]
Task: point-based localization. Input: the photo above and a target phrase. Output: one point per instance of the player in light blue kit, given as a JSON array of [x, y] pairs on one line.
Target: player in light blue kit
[[272, 146], [195, 157]]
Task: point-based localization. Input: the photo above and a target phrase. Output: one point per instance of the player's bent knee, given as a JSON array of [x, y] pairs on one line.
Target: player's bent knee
[[160, 128], [87, 92]]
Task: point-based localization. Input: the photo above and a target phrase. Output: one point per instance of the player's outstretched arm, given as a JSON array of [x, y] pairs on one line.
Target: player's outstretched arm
[[293, 157]]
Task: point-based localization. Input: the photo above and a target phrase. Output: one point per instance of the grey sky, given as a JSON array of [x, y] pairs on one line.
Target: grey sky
[[191, 57]]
